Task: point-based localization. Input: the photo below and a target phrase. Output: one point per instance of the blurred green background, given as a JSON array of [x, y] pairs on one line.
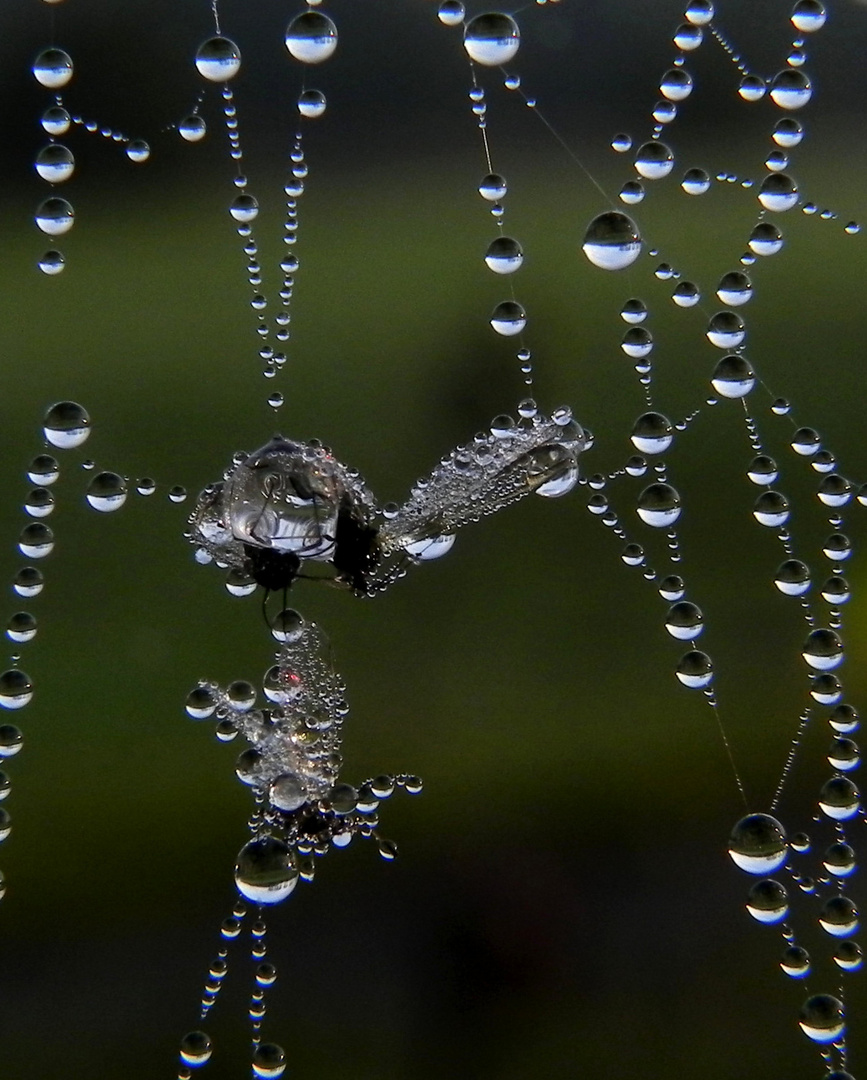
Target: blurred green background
[[562, 903]]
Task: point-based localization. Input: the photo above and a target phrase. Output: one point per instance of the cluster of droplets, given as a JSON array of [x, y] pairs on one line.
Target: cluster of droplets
[[310, 39], [55, 162], [291, 764]]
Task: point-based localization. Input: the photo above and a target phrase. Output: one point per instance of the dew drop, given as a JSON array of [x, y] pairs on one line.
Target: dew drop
[[612, 241], [768, 902], [839, 859], [493, 187], [795, 962], [771, 509], [269, 1061], [16, 691], [695, 670], [654, 160], [11, 739], [839, 916], [504, 255], [311, 103], [21, 627], [695, 182], [66, 425], [659, 505], [734, 289], [752, 88], [848, 957], [684, 621], [676, 84], [791, 89], [726, 330], [451, 13], [792, 578], [265, 872], [632, 193], [808, 16], [55, 217], [192, 128], [36, 541], [311, 37], [758, 844], [196, 1049], [52, 263], [492, 39], [244, 208], [839, 799], [778, 193], [652, 433], [55, 163], [821, 1018], [688, 37], [106, 492], [686, 294], [621, 143], [52, 68], [699, 12], [56, 120], [28, 582], [138, 151], [733, 377], [218, 60], [508, 318]]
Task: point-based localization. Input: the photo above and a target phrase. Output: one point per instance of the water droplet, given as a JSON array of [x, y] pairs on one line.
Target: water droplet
[[632, 193], [218, 60], [806, 441], [659, 505], [265, 872], [726, 330], [492, 39], [269, 1061], [676, 84], [844, 719], [192, 128], [821, 1018], [695, 670], [508, 318], [55, 163], [195, 1049], [795, 962], [849, 957], [762, 470], [699, 12], [672, 588], [55, 217], [839, 916], [686, 294], [311, 103], [684, 621], [28, 582], [758, 844], [771, 509], [633, 311], [16, 691], [612, 241], [837, 547], [808, 16], [844, 755], [106, 492], [66, 425], [21, 627], [35, 541], [493, 187], [839, 859], [768, 901], [11, 740], [654, 160], [504, 255], [52, 263], [244, 208], [733, 377], [734, 289], [138, 151], [792, 578], [177, 494], [778, 193], [621, 143], [52, 68], [56, 120], [637, 342], [311, 37], [451, 13], [752, 88], [839, 799], [791, 89], [39, 503], [695, 182], [652, 433], [765, 239]]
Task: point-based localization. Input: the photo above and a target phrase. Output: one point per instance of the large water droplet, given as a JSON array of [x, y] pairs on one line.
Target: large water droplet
[[765, 239], [192, 128], [16, 689], [52, 68], [55, 217], [821, 1018], [808, 16], [66, 425], [684, 621], [311, 37], [839, 916], [823, 650], [612, 241], [726, 330], [55, 163], [504, 255], [699, 12], [778, 192], [839, 798], [733, 377], [652, 433], [659, 505], [218, 60], [676, 84], [265, 871], [768, 901], [758, 844], [654, 160], [196, 1048], [792, 578], [311, 103], [508, 318], [106, 492], [492, 39], [791, 89], [269, 1061]]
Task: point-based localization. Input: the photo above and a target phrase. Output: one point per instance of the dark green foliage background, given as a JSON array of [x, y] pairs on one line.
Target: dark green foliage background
[[562, 904]]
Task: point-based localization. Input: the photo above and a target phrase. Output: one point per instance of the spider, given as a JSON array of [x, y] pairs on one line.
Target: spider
[[288, 503]]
